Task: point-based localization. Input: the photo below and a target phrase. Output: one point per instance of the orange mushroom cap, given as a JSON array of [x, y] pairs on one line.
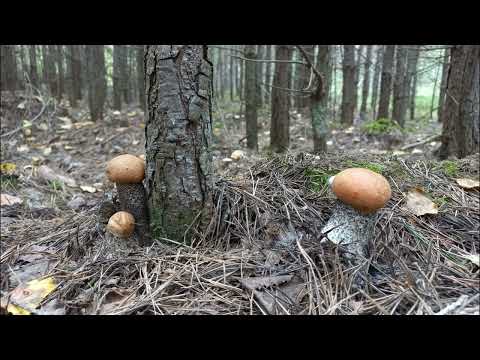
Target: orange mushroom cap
[[121, 224], [126, 169], [364, 190]]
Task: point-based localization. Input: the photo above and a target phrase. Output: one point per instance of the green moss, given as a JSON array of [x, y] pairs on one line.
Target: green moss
[[318, 178], [380, 126], [441, 201], [375, 167], [449, 168]]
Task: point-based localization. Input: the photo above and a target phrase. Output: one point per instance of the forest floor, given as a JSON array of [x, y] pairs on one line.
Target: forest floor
[[262, 253]]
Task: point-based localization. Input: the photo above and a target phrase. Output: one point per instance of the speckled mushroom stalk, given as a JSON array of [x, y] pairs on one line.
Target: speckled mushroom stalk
[[127, 172], [360, 193]]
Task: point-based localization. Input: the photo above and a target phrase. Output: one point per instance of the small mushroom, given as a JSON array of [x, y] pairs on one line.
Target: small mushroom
[[127, 172], [360, 192], [121, 224]]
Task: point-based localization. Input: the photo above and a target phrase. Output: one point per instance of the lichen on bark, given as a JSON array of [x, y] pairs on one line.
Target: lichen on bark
[[179, 174]]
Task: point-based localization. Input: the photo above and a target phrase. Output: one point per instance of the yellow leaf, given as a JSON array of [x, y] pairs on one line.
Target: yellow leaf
[[8, 168], [419, 204], [468, 183], [17, 310], [29, 297]]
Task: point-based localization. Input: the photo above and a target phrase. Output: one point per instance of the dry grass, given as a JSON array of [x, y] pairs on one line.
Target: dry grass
[[266, 224]]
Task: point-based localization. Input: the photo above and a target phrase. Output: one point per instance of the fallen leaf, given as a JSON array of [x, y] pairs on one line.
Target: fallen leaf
[[419, 204], [473, 258], [27, 298], [47, 151], [23, 148], [48, 174], [43, 127], [255, 283], [8, 200], [468, 183], [87, 188], [21, 106]]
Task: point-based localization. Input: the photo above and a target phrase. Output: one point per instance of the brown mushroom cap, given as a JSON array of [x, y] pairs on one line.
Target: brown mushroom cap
[[121, 224], [126, 169], [363, 189]]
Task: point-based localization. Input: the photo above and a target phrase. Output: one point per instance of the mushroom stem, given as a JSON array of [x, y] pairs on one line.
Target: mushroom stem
[[132, 198], [351, 229]]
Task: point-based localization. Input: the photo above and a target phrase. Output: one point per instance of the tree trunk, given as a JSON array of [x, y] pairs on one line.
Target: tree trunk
[[358, 65], [400, 94], [33, 73], [119, 56], [443, 84], [386, 82], [97, 83], [76, 69], [60, 72], [268, 72], [318, 101], [334, 75], [348, 89], [376, 80], [258, 79], [9, 75], [241, 76], [49, 64], [303, 75], [366, 82], [179, 173], [280, 122], [231, 76], [413, 54], [251, 97], [23, 66], [435, 82], [141, 76], [461, 112]]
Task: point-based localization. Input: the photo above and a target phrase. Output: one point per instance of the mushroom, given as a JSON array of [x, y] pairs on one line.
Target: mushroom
[[121, 224], [127, 172], [360, 192]]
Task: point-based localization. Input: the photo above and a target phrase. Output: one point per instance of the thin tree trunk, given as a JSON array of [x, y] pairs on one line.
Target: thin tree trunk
[[118, 57], [9, 75], [76, 69], [179, 173], [435, 82], [318, 101], [358, 63], [348, 89], [50, 68], [366, 82], [96, 78], [258, 79], [386, 82], [231, 76], [376, 80], [33, 73], [334, 66], [141, 77], [443, 84], [268, 72], [400, 98], [23, 66], [280, 122], [413, 96], [251, 98], [413, 54], [461, 112], [60, 72], [304, 77]]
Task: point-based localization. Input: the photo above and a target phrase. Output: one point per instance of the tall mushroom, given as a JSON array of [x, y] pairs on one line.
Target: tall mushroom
[[360, 192], [127, 172]]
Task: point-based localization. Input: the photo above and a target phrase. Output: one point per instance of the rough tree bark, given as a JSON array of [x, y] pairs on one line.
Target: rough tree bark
[[366, 82], [386, 82], [319, 100], [376, 79], [97, 83], [400, 93], [348, 90], [251, 97], [179, 174], [280, 122], [461, 112], [443, 84], [33, 73]]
